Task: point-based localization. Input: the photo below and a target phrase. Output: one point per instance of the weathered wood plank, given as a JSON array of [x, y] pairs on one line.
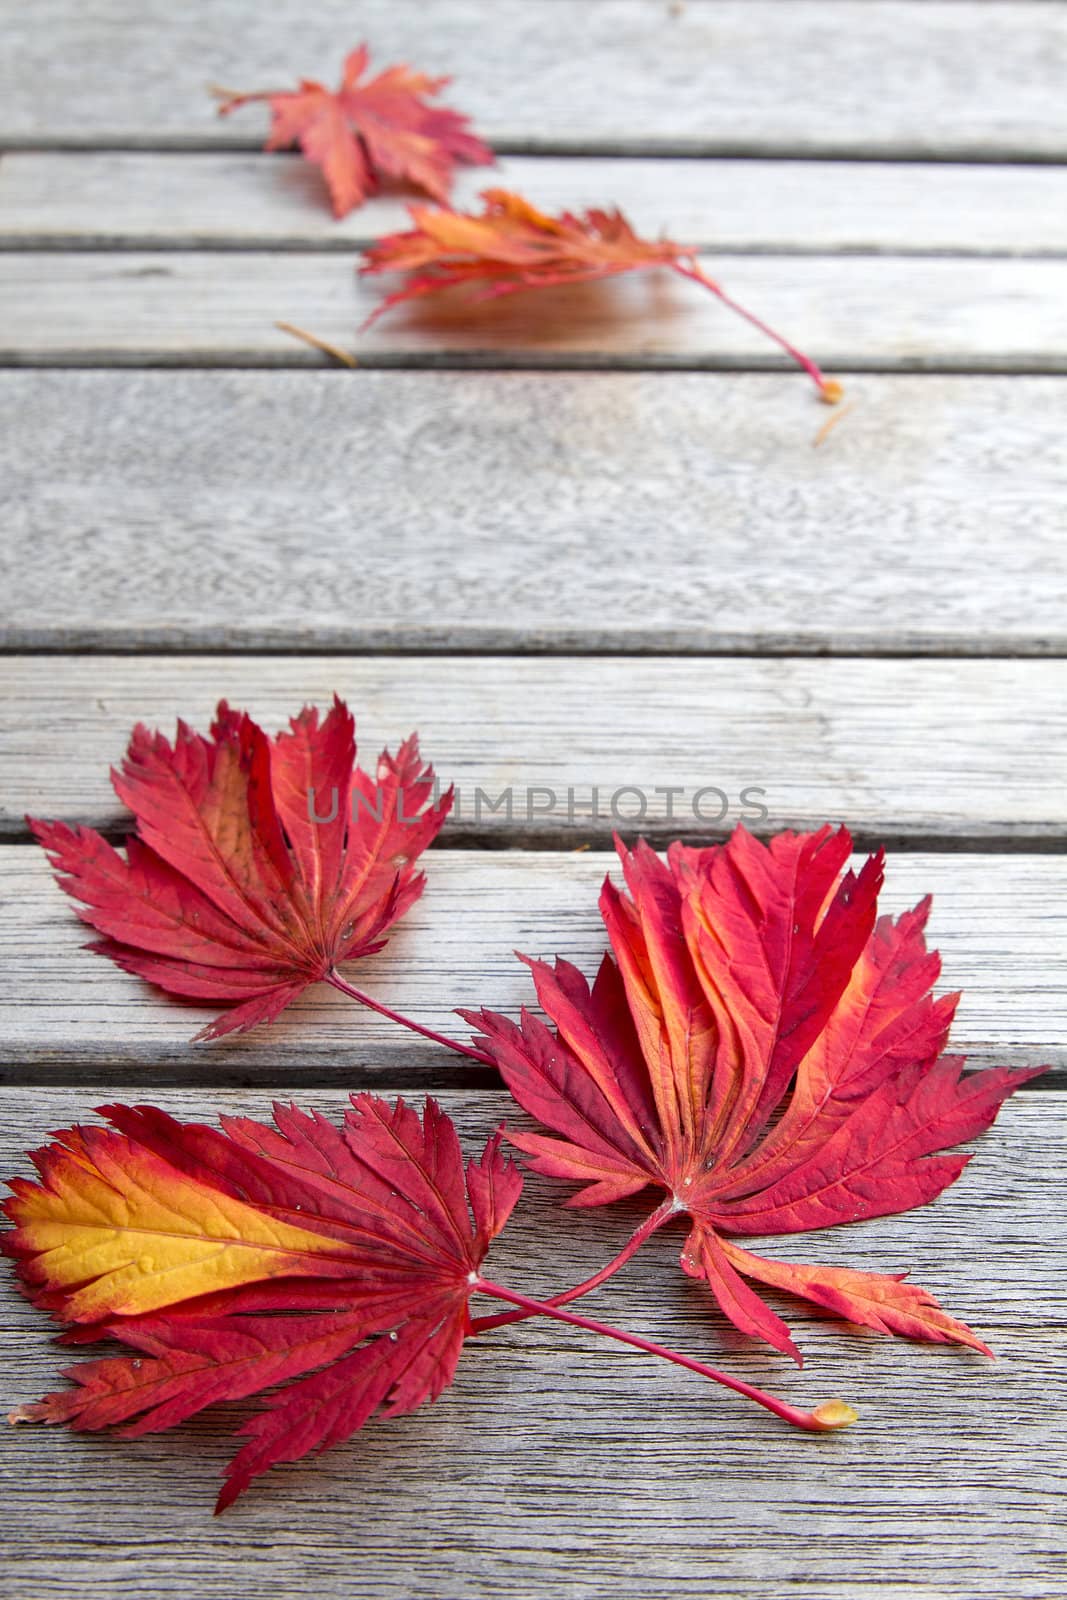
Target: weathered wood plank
[[683, 512], [870, 77], [205, 309], [532, 1474], [67, 1016], [946, 751], [1005, 1202], [133, 201]]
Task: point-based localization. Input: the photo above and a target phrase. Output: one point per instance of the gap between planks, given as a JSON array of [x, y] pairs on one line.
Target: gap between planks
[[63, 642]]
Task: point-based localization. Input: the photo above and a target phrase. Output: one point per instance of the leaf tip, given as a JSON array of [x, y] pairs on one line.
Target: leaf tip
[[31, 1412]]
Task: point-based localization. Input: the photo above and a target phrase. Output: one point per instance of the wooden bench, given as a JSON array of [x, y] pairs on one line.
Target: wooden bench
[[592, 539]]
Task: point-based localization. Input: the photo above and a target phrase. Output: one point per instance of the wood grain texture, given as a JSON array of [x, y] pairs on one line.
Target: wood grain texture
[[882, 313], [69, 1016], [135, 201], [869, 77], [322, 511], [560, 1464], [947, 751], [531, 512], [957, 752]]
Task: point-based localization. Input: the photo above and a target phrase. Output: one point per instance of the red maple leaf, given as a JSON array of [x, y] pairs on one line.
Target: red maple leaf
[[766, 1052], [512, 246], [233, 889], [363, 131], [234, 1261]]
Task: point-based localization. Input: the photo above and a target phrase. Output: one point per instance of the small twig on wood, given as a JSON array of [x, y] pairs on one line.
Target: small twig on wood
[[318, 344], [830, 424]]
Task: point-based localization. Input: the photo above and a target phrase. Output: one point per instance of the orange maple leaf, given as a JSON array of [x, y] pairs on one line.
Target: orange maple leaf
[[364, 131], [513, 246]]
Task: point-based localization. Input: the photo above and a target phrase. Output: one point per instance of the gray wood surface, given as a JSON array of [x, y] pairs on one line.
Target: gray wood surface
[[558, 1463], [882, 77], [514, 511], [233, 200], [883, 313], [636, 547], [67, 1015], [954, 752]]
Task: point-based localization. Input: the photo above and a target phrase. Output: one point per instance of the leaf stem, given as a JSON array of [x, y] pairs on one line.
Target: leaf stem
[[824, 1419], [335, 979], [636, 1240], [829, 388]]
